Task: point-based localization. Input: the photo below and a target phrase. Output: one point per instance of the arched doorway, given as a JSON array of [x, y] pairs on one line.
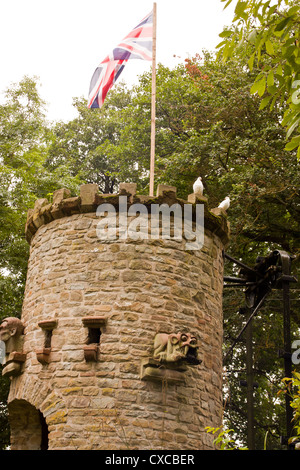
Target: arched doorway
[[28, 427]]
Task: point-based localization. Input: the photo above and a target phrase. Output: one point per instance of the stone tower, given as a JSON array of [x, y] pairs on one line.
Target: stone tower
[[121, 346]]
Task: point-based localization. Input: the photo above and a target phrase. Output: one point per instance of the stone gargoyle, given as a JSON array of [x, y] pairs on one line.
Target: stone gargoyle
[[176, 347], [12, 336]]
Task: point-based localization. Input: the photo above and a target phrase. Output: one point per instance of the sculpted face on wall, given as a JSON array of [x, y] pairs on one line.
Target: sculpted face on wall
[[176, 347], [12, 335], [11, 328]]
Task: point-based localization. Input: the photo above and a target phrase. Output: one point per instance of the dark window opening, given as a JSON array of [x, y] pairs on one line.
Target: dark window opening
[[93, 336], [44, 433], [48, 337]]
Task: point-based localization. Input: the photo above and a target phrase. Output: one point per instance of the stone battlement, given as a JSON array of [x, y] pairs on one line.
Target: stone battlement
[[90, 198]]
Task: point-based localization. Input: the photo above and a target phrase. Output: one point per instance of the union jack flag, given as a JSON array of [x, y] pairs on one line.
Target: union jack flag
[[136, 45]]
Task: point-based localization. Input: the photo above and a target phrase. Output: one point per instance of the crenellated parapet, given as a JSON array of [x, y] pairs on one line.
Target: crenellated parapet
[[90, 199]]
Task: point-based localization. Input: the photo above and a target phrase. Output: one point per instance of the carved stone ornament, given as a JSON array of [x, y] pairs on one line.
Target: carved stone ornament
[[12, 335], [90, 352], [176, 347], [43, 355], [172, 353]]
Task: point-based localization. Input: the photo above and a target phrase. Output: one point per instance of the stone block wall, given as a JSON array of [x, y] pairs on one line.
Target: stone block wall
[[91, 311]]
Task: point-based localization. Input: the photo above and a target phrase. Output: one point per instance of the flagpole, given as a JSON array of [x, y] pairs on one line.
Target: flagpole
[[153, 98]]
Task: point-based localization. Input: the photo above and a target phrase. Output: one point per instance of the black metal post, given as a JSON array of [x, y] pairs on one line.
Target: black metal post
[[250, 397], [287, 355]]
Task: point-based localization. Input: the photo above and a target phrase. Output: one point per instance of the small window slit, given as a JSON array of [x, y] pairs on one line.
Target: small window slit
[[93, 336]]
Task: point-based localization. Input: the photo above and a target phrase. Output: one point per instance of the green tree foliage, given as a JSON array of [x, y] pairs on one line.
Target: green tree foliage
[[24, 141], [89, 147], [22, 145], [291, 387], [270, 28], [296, 403]]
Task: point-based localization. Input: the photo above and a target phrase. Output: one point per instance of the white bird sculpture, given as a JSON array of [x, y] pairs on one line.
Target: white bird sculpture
[[225, 204], [198, 186]]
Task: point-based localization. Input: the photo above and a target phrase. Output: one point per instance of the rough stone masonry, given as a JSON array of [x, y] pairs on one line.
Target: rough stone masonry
[[91, 312]]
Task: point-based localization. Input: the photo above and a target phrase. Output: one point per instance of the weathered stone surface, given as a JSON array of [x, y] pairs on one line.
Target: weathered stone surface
[[153, 371], [196, 198], [94, 321], [163, 188], [127, 188], [43, 355], [218, 211], [90, 198], [87, 196], [12, 335], [70, 206], [60, 194], [39, 203], [47, 324], [90, 352]]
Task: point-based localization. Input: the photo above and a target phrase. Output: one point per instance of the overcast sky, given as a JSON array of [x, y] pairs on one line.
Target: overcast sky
[[62, 41]]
